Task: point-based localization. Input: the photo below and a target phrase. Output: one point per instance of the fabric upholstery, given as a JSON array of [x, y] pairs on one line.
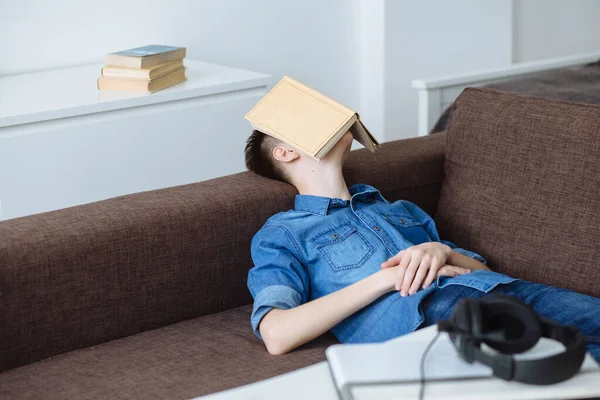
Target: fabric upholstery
[[522, 186], [180, 361], [85, 275]]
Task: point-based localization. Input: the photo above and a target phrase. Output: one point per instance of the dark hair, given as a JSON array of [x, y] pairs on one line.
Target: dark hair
[[259, 156]]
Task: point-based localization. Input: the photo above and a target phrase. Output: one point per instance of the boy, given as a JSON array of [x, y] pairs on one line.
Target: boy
[[337, 261]]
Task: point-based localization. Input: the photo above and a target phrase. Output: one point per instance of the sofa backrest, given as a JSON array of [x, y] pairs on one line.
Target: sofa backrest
[[522, 186], [81, 276]]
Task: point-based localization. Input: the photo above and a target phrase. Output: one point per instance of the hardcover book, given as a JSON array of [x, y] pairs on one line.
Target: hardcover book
[[140, 85], [145, 57], [141, 73], [298, 115]]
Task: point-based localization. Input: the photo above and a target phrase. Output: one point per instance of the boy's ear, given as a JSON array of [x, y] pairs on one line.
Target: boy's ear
[[285, 153]]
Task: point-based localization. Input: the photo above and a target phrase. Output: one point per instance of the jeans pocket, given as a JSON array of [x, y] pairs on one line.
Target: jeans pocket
[[343, 247]]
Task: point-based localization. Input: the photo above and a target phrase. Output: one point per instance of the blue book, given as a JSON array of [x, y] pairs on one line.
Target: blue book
[[145, 57]]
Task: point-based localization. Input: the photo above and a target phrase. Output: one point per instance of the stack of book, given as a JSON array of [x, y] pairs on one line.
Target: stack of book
[[143, 69]]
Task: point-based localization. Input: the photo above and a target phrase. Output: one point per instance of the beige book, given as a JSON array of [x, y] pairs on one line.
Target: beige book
[[296, 114], [136, 85], [144, 73]]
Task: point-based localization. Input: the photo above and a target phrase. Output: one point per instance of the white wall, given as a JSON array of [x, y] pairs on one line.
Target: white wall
[[435, 38], [371, 64], [554, 28]]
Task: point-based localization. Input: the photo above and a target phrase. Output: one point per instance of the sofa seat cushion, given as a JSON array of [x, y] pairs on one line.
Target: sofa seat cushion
[[180, 361], [522, 186]]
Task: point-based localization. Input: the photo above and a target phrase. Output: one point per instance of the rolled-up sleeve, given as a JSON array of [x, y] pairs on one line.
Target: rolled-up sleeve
[[278, 279], [429, 225]]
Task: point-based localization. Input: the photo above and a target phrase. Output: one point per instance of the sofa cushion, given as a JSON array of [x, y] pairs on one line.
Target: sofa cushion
[[522, 186], [180, 361]]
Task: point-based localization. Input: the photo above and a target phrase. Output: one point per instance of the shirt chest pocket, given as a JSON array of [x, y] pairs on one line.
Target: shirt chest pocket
[[409, 227], [400, 220], [343, 247]]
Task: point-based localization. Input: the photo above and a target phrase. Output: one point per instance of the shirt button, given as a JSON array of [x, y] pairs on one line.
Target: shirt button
[[401, 220], [335, 236], [376, 228]]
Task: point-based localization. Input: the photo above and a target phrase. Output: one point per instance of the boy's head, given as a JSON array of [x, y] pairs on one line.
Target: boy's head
[[259, 156], [274, 159]]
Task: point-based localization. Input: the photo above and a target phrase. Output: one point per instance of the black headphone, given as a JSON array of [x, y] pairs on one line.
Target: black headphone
[[510, 326]]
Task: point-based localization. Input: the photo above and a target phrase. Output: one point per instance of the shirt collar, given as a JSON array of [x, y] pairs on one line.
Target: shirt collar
[[321, 205]]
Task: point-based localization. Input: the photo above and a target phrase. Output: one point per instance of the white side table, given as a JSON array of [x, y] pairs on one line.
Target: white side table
[[63, 142]]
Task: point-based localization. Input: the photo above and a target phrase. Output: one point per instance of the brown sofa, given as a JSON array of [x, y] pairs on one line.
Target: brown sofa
[[144, 296]]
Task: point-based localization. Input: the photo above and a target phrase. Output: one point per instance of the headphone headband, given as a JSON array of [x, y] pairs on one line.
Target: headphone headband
[[543, 371]]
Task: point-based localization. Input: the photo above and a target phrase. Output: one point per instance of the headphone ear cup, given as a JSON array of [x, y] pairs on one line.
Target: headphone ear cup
[[477, 322], [462, 319], [516, 319]]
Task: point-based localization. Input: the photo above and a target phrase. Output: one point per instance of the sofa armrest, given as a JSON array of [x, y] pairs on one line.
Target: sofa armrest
[[81, 276]]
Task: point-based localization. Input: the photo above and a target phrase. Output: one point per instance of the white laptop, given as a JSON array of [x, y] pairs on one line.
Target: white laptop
[[372, 371]]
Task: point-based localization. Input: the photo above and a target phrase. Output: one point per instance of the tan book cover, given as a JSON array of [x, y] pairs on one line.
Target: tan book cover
[[145, 57], [296, 114], [136, 85], [146, 74]]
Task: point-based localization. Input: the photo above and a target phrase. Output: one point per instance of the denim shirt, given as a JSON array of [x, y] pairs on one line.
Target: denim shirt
[[326, 244]]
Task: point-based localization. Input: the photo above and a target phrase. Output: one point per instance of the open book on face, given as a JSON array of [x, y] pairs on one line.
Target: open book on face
[[308, 120]]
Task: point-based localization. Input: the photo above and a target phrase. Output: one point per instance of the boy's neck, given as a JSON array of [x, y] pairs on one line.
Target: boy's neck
[[328, 182]]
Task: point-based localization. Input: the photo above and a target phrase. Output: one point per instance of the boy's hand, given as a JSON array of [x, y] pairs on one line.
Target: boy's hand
[[390, 275], [419, 265]]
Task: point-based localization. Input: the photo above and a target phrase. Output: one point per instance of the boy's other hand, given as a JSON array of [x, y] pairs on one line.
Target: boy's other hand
[[452, 271], [419, 266]]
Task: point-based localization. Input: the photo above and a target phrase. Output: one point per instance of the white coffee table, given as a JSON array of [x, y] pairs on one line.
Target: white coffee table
[[315, 382]]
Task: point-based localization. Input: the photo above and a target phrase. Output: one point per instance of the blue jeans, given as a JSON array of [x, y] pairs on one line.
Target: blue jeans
[[561, 305]]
